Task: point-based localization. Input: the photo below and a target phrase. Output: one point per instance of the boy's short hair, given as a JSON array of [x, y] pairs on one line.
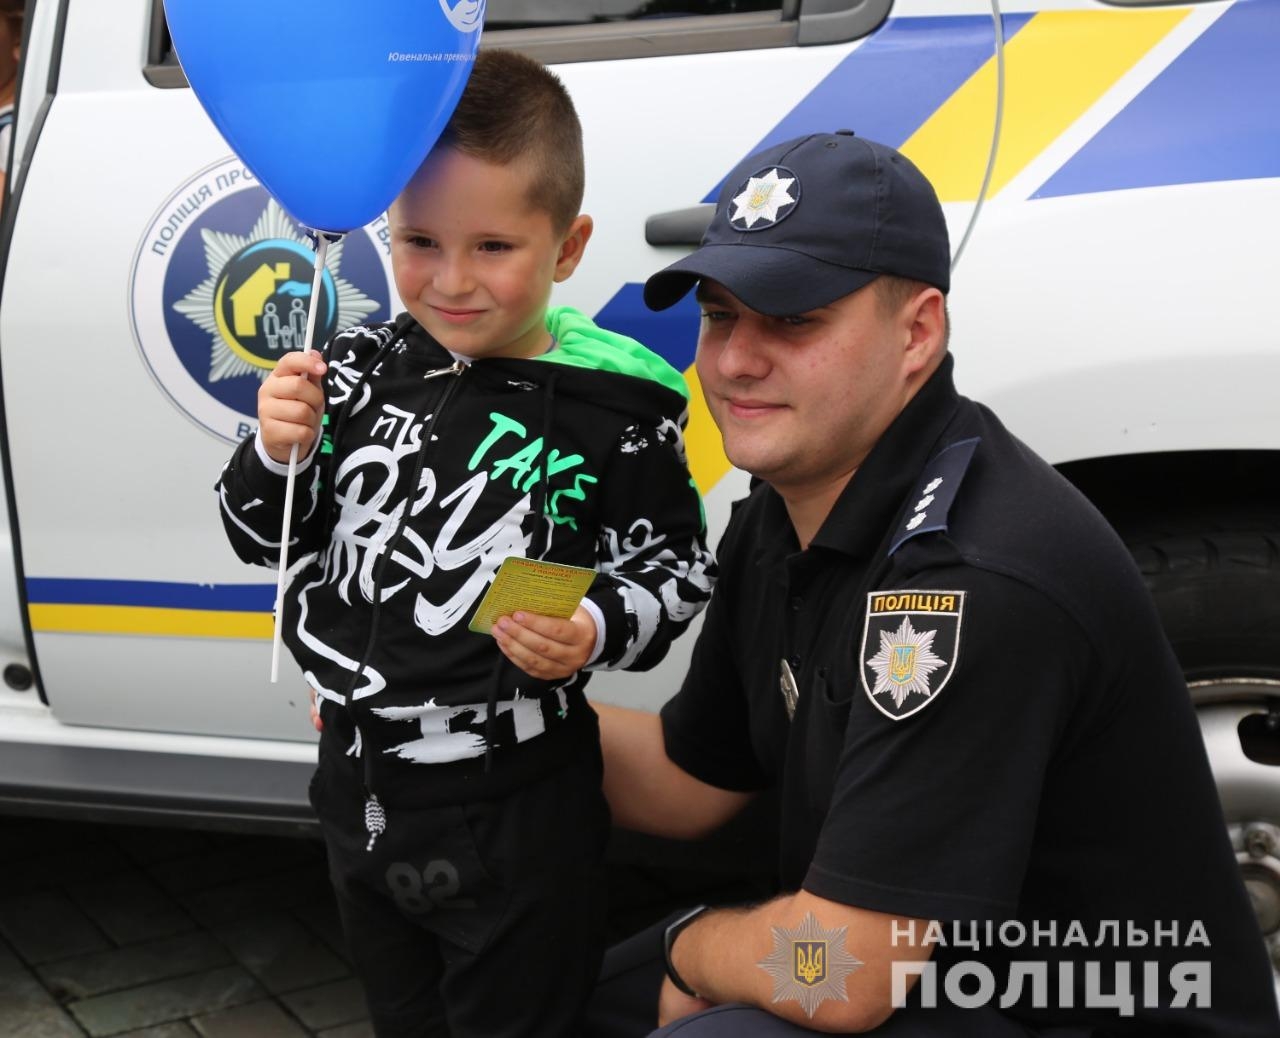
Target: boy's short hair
[[515, 110]]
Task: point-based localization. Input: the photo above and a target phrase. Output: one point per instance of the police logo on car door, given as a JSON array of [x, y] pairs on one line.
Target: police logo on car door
[[220, 288], [910, 643]]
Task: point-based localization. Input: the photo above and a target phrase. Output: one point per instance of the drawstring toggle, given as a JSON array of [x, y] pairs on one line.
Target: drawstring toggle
[[375, 819]]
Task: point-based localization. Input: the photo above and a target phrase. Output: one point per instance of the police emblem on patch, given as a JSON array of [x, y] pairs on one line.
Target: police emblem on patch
[[767, 197], [809, 964], [910, 643]]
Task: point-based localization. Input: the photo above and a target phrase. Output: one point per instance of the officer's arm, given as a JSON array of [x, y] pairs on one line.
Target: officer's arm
[[846, 957], [646, 790]]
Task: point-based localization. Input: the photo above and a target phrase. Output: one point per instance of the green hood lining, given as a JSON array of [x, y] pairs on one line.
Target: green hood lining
[[581, 343]]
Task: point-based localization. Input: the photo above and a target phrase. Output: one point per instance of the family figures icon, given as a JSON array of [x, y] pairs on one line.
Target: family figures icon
[[288, 334]]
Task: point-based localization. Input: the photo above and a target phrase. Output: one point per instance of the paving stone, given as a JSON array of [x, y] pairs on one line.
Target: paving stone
[[88, 975], [282, 953], [259, 1019], [26, 1009], [45, 926], [167, 1000], [359, 1029], [21, 837], [229, 860], [149, 845], [32, 837], [296, 886], [321, 918], [45, 1023], [131, 908], [328, 1005], [59, 868], [178, 1029]]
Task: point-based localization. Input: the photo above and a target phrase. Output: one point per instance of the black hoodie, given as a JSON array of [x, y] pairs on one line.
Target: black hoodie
[[407, 677]]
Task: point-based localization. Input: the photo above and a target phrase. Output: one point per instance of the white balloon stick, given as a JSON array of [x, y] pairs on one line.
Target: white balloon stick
[[322, 250]]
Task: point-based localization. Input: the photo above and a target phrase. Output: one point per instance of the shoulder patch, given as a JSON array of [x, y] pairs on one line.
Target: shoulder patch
[[932, 496], [910, 646]]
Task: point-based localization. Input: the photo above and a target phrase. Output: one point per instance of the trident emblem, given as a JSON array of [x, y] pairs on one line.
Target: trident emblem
[[811, 962]]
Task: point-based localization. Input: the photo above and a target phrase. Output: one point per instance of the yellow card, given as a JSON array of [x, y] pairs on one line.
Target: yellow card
[[546, 588]]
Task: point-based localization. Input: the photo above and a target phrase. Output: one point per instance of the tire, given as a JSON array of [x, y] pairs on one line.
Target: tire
[[1217, 586], [1215, 579]]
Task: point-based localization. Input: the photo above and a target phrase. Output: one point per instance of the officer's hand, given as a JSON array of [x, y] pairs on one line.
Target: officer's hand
[[545, 647], [291, 404], [316, 723], [674, 1004]]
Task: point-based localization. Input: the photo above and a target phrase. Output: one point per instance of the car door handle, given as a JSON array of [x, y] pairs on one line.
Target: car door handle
[[679, 226]]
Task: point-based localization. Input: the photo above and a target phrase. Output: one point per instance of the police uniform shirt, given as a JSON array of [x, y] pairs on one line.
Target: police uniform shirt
[[964, 691]]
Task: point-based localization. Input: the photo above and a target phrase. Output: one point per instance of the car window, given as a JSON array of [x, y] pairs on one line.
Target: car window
[[557, 31], [529, 14]]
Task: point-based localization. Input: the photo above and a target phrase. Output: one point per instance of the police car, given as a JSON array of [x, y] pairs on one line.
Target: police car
[[1111, 175]]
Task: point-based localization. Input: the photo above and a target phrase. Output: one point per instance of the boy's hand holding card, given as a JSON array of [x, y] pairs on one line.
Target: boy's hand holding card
[[533, 610]]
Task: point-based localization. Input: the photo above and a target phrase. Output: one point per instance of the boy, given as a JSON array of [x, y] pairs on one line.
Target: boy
[[459, 795]]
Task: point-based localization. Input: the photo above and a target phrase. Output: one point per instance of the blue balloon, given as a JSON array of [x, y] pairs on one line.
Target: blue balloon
[[333, 104]]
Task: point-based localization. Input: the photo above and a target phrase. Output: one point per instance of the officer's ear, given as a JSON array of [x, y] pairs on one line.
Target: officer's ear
[[924, 324]]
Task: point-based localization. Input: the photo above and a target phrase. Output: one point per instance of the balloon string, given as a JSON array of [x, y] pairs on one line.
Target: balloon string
[[322, 251]]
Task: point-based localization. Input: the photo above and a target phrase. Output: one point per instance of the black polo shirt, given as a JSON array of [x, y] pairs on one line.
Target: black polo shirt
[[989, 725]]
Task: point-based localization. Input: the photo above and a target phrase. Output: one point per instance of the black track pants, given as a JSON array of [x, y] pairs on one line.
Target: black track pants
[[482, 919]]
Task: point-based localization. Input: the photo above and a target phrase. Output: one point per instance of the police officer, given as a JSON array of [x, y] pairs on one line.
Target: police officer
[[993, 789]]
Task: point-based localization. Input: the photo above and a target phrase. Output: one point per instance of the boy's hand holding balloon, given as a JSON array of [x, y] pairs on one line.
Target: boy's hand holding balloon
[[291, 405]]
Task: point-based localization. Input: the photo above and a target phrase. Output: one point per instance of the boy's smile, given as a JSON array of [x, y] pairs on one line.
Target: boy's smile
[[474, 259], [458, 317]]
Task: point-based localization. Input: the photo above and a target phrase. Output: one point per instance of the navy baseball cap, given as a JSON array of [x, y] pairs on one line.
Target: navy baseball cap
[[806, 222]]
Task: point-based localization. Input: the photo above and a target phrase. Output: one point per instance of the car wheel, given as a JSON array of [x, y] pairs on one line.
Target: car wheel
[[1216, 582]]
